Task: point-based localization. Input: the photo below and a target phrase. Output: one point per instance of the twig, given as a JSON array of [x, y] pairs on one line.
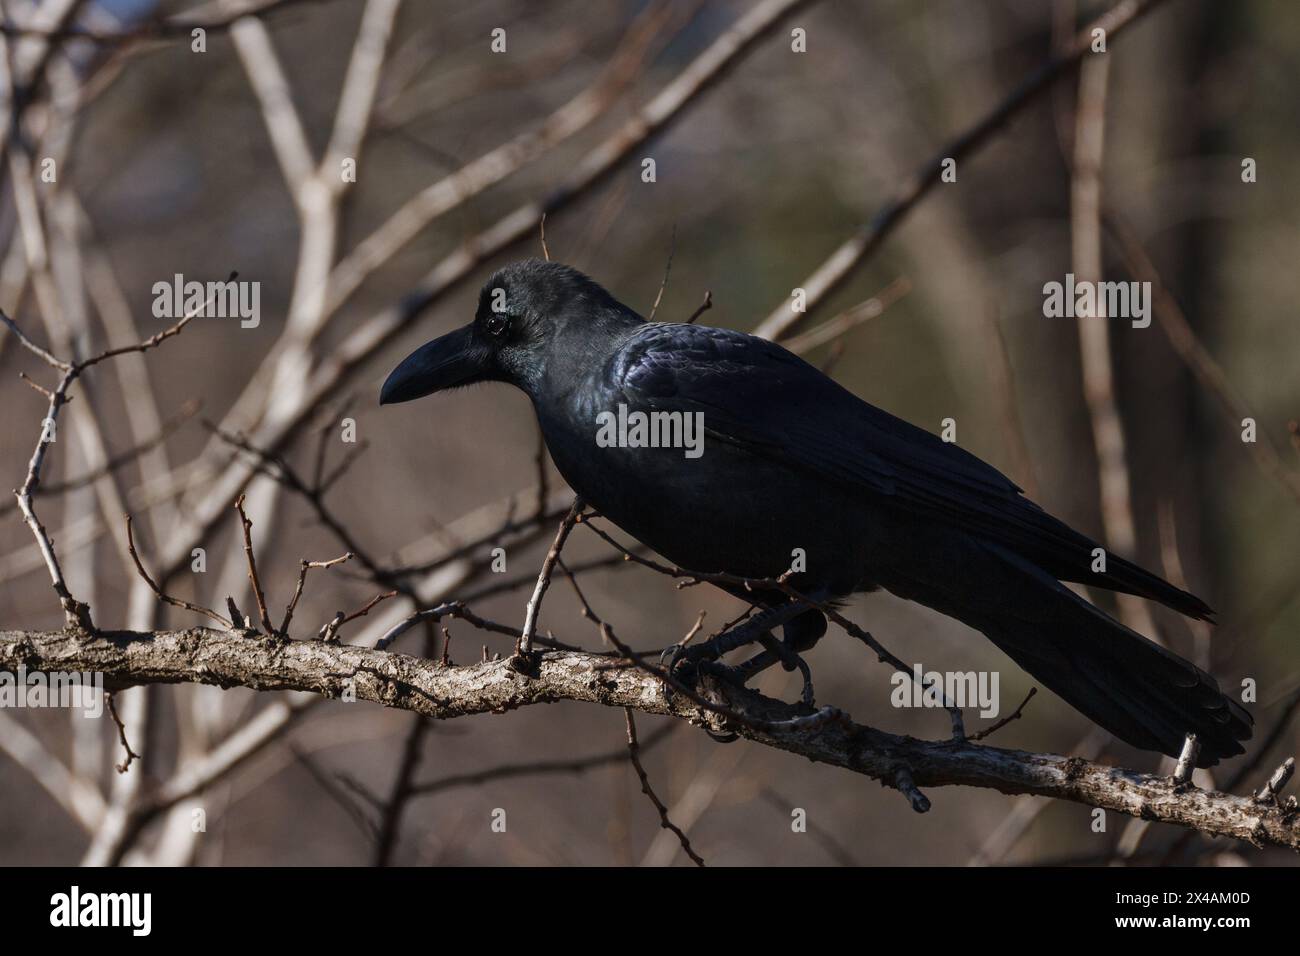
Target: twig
[[35, 349], [76, 612], [158, 592], [847, 321], [131, 755], [329, 633], [902, 782], [668, 268], [1187, 759], [1269, 792], [336, 793], [314, 495], [303, 567], [633, 753], [701, 308], [525, 646], [1014, 715], [258, 594]]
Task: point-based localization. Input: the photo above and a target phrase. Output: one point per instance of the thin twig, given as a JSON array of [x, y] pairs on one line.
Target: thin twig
[[701, 308], [158, 592], [329, 633], [1014, 715], [258, 593], [131, 755], [303, 567], [668, 268], [847, 321], [634, 754], [525, 645]]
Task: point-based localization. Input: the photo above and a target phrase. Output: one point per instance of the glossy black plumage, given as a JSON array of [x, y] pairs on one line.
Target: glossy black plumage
[[791, 460]]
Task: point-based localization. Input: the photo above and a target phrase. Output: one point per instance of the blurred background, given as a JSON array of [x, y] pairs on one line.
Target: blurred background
[[176, 161]]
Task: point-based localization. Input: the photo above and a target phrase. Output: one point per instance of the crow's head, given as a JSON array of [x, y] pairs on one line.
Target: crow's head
[[528, 313]]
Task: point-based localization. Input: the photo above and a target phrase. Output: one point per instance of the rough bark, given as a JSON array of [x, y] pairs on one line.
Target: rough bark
[[234, 659]]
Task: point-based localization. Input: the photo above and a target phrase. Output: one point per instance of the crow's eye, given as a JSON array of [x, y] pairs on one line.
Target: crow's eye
[[496, 325]]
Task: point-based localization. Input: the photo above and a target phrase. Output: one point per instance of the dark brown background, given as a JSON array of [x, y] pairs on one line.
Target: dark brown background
[[760, 179]]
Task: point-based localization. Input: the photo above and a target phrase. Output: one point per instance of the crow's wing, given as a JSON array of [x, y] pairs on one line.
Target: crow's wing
[[758, 396]]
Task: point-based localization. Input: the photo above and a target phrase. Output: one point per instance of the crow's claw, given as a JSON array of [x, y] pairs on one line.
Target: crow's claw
[[677, 654]]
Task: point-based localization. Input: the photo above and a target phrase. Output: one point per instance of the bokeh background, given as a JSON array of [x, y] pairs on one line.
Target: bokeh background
[[757, 182]]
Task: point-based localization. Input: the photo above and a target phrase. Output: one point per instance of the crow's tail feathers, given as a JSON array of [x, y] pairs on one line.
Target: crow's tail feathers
[[1142, 693], [1130, 578]]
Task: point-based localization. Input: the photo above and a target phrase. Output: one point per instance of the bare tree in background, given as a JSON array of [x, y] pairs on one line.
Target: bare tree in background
[[332, 611]]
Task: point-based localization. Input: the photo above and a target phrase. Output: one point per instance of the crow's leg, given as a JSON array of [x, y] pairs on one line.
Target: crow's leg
[[703, 658], [746, 670], [741, 635], [801, 634]]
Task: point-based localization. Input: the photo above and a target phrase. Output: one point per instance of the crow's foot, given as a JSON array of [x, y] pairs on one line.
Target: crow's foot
[[752, 631]]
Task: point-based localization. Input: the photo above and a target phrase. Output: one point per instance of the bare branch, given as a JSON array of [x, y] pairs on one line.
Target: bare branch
[[1095, 360], [845, 322], [347, 356], [1190, 349], [840, 264], [222, 658]]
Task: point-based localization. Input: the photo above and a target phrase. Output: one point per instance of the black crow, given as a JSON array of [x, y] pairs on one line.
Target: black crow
[[790, 470]]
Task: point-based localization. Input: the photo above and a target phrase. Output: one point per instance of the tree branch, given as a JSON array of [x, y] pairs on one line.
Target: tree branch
[[204, 655]]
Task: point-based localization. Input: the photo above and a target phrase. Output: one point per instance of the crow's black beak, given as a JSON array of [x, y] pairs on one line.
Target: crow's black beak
[[443, 363]]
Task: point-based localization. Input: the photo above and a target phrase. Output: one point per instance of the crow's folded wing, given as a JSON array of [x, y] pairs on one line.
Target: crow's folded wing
[[760, 397]]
